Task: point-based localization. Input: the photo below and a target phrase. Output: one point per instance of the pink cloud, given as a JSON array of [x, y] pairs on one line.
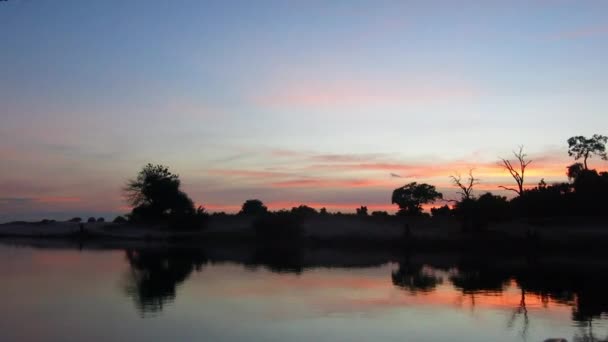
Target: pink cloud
[[583, 32], [330, 183], [349, 94]]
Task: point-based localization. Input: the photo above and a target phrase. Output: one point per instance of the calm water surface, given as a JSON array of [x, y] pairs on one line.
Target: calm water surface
[[170, 295]]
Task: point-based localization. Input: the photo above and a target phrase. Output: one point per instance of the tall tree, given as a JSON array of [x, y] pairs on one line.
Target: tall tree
[[582, 147], [466, 187], [516, 171], [412, 196]]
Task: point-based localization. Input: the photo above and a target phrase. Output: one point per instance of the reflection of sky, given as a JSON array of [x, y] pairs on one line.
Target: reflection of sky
[[71, 295], [316, 102]]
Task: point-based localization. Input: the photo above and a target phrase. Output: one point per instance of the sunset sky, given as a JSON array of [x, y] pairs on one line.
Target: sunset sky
[[326, 103]]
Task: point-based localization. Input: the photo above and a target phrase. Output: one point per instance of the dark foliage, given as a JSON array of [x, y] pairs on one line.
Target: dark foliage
[[156, 197], [582, 147], [380, 214], [477, 213], [362, 211], [119, 220], [303, 211], [253, 207], [91, 220], [443, 211], [101, 219], [75, 219], [412, 196]]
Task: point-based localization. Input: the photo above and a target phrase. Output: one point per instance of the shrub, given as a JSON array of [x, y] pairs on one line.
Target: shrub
[[120, 220], [91, 220], [101, 219], [75, 219], [380, 214], [362, 211], [189, 221]]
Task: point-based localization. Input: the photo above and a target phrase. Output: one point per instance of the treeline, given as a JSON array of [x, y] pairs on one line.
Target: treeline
[[156, 197], [585, 194]]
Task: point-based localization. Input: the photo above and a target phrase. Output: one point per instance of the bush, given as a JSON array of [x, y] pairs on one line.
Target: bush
[[119, 220], [380, 214], [362, 211], [101, 219], [91, 220], [75, 220], [444, 211], [189, 221]]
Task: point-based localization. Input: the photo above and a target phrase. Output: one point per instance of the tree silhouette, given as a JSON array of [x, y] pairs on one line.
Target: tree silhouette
[[466, 189], [156, 197], [575, 170], [412, 196], [362, 211], [253, 207], [582, 147], [517, 171]]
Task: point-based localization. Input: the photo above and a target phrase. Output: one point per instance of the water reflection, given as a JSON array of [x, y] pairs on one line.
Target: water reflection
[[155, 274], [415, 278], [366, 292]]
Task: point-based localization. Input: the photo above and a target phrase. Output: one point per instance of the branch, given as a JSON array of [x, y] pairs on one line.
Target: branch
[[511, 189]]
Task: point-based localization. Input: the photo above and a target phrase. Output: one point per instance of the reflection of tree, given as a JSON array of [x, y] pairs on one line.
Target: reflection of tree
[[154, 275], [523, 311], [587, 335], [414, 278], [473, 280], [283, 259]]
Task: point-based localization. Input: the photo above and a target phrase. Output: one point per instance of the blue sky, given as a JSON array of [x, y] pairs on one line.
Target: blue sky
[[289, 101]]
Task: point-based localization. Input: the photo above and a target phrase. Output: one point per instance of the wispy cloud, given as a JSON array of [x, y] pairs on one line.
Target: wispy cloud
[[356, 93], [584, 32]]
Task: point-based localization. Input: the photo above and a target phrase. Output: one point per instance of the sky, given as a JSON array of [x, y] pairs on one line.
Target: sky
[[327, 103]]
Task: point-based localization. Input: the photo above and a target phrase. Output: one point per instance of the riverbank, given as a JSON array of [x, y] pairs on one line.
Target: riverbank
[[361, 233]]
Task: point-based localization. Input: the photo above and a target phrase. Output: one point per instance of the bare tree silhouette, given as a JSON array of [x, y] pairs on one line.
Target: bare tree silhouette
[[466, 188], [517, 171]]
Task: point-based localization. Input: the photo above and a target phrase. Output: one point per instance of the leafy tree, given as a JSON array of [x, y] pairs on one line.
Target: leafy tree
[[155, 191], [253, 207], [75, 219], [362, 211], [412, 196], [575, 170], [582, 147], [91, 220], [323, 211], [156, 197]]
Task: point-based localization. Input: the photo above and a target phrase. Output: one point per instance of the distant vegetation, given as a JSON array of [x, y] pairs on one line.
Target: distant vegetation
[[156, 197]]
